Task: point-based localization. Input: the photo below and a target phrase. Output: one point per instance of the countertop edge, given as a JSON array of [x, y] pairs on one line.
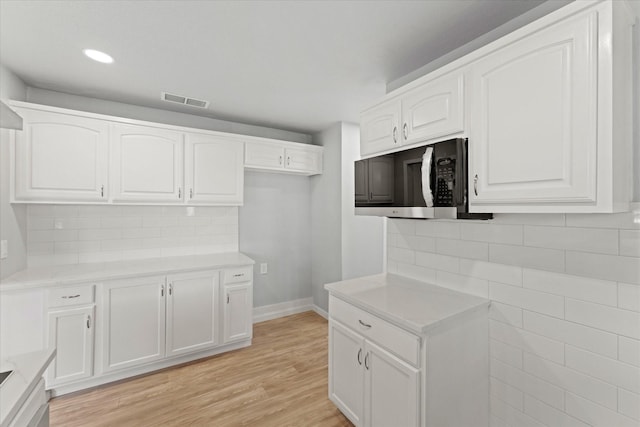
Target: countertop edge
[[98, 276]]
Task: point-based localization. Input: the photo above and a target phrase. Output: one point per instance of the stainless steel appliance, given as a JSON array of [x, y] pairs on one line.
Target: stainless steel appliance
[[424, 182]]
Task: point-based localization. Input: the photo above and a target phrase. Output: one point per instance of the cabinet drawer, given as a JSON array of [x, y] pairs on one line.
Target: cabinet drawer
[[70, 295], [237, 275], [400, 342]]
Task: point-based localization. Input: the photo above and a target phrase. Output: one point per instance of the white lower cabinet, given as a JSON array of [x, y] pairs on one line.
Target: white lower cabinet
[[71, 333], [192, 321], [370, 385], [237, 304], [133, 322]]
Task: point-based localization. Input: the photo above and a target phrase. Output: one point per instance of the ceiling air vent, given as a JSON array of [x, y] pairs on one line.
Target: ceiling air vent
[[170, 97]]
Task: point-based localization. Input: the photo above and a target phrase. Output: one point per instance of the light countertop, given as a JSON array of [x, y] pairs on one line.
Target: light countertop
[[81, 273], [27, 369], [413, 305]]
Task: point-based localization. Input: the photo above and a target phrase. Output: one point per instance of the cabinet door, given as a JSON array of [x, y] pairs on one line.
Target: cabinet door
[[133, 322], [533, 122], [361, 173], [147, 164], [346, 371], [392, 390], [214, 170], [264, 156], [433, 110], [302, 160], [380, 128], [61, 158], [238, 312], [71, 333], [381, 179], [192, 313]]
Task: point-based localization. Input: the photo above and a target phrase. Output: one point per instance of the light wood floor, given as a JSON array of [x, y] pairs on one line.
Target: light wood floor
[[281, 380]]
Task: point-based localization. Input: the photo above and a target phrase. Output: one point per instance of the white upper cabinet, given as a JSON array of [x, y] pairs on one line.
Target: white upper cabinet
[[433, 110], [541, 135], [147, 164], [61, 157], [280, 156], [214, 170]]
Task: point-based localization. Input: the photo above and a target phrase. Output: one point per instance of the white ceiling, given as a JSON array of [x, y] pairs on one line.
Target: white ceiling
[[296, 65]]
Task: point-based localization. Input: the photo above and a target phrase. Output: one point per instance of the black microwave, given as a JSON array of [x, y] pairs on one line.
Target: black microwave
[[424, 182]]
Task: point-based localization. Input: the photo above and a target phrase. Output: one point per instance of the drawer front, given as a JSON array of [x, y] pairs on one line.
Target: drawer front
[[70, 295], [398, 341], [237, 275]]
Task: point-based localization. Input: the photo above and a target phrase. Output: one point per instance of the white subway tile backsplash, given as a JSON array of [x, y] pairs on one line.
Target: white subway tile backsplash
[[462, 249], [629, 351], [608, 267], [414, 243], [630, 243], [598, 240], [69, 234], [529, 219], [415, 272], [612, 371], [629, 296], [466, 284], [438, 228], [623, 220], [437, 261], [401, 255], [512, 416], [527, 341], [505, 353], [571, 380], [583, 288], [507, 393], [549, 415], [594, 414], [492, 233], [506, 313], [524, 256], [529, 384], [494, 272], [581, 336], [629, 404], [401, 226], [622, 322], [540, 302]]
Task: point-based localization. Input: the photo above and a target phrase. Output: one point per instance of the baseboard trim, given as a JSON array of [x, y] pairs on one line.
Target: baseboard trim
[[320, 311], [273, 311]]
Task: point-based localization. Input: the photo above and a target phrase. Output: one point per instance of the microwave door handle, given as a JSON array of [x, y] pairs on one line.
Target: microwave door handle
[[427, 158]]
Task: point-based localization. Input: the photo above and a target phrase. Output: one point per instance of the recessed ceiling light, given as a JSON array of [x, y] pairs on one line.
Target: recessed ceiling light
[[96, 55]]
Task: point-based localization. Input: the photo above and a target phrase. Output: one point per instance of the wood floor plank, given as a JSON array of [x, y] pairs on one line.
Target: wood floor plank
[[281, 380]]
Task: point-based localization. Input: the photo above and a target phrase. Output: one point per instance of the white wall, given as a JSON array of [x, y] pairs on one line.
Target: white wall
[[274, 229], [363, 237], [326, 216], [565, 312], [13, 218]]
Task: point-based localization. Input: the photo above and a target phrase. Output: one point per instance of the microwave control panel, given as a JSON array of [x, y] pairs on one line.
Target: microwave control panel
[[445, 181]]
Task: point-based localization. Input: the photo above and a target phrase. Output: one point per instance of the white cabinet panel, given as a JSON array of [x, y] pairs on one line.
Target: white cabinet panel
[[214, 170], [380, 128], [147, 164], [192, 312], [392, 390], [298, 159], [533, 130], [264, 155], [433, 110], [61, 157], [133, 322], [71, 333], [346, 376], [238, 312]]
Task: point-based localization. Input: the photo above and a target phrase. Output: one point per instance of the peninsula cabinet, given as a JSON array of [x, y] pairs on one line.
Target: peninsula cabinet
[[60, 157], [285, 157], [407, 353], [550, 128]]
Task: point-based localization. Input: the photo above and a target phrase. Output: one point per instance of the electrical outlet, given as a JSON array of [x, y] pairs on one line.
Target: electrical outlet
[[4, 249], [263, 268]]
